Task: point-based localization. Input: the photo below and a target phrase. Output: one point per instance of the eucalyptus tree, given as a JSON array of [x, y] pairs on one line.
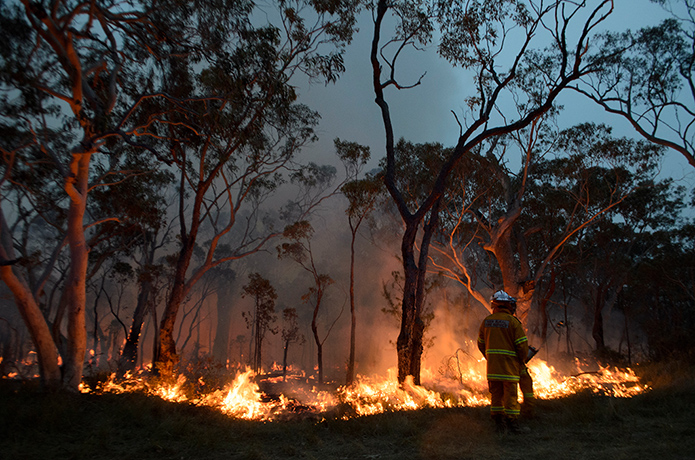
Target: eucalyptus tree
[[648, 78], [362, 195], [81, 80], [523, 220], [261, 318], [75, 78], [298, 249], [290, 334], [660, 295], [608, 254], [242, 147], [512, 85]]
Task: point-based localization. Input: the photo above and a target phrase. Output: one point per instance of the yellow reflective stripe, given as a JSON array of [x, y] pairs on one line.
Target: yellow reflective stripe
[[509, 378], [512, 412], [529, 395], [521, 340], [499, 351]]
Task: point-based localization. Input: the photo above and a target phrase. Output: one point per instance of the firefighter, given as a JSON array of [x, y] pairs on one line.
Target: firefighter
[[503, 342]]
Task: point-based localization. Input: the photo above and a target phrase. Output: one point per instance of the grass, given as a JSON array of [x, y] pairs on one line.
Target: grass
[[33, 425]]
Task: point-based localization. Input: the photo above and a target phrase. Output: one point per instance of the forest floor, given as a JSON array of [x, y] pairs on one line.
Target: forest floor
[[658, 424]]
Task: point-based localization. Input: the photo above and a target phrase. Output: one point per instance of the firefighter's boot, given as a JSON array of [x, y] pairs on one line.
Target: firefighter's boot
[[500, 425], [513, 426]]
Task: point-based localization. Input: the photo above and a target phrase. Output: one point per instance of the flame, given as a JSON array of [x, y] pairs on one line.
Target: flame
[[611, 382], [244, 399]]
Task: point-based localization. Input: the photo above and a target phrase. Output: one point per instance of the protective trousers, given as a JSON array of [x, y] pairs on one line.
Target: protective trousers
[[504, 399], [526, 385]]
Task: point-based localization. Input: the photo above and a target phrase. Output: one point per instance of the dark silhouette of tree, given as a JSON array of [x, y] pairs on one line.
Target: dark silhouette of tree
[[479, 37], [522, 220], [260, 319], [290, 335], [647, 78], [80, 75], [362, 195], [151, 274], [244, 146], [299, 250]]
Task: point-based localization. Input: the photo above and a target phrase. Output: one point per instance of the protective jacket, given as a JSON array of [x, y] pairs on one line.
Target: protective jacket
[[503, 342]]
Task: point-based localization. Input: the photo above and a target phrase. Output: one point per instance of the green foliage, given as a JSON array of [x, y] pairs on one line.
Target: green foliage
[[352, 154], [469, 27], [314, 175], [295, 249], [416, 167], [646, 77]]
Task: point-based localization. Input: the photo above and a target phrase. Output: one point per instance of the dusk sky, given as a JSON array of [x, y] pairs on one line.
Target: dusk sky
[[423, 114]]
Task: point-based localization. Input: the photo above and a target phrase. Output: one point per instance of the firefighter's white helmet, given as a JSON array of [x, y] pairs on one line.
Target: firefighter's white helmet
[[501, 298]]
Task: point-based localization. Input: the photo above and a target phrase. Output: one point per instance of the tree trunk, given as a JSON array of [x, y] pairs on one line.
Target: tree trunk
[[40, 332], [410, 339], [284, 360], [408, 307], [514, 275], [166, 357], [76, 186], [315, 332], [258, 339], [47, 353], [350, 376], [597, 329], [129, 354]]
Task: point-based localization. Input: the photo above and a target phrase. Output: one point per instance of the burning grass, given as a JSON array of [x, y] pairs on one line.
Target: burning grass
[[599, 413], [268, 397], [659, 423]]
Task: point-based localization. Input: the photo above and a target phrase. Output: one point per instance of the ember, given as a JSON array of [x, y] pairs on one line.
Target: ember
[[244, 398]]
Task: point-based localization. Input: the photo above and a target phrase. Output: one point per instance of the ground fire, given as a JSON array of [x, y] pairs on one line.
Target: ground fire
[[266, 397]]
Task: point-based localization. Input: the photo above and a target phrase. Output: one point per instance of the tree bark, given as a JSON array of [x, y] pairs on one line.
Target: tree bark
[[47, 353], [405, 336], [40, 332], [284, 359], [597, 328], [129, 354], [166, 356], [315, 331], [77, 187]]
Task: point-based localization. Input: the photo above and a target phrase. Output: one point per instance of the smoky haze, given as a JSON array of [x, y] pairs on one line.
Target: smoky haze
[[421, 114]]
